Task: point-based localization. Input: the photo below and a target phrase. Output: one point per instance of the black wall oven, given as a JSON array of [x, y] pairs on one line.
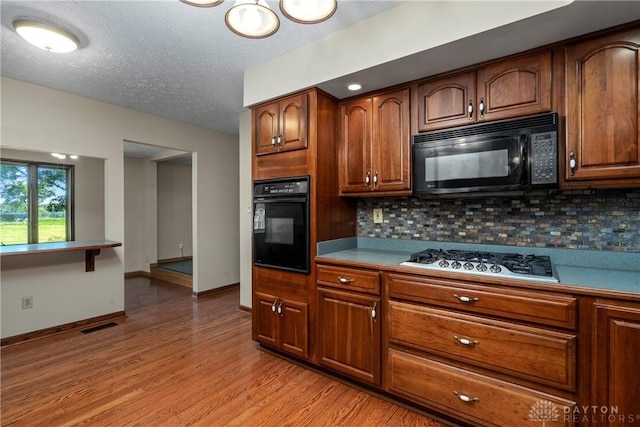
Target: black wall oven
[[281, 224]]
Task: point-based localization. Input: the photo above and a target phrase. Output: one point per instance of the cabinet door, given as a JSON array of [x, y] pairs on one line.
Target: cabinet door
[[265, 128], [445, 102], [391, 141], [294, 328], [355, 146], [515, 87], [349, 334], [616, 356], [266, 323], [603, 102], [293, 123]]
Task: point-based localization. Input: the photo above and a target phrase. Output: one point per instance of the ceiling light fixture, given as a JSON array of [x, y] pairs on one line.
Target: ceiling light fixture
[[46, 37], [354, 86], [202, 3], [308, 12], [252, 19]]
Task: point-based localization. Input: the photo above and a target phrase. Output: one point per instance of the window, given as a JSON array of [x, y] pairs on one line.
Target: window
[[36, 202]]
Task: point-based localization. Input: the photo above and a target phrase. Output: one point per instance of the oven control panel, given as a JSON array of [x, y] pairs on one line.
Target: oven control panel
[[272, 188]]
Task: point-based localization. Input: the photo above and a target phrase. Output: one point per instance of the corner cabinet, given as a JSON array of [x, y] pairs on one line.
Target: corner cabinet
[[375, 146], [505, 89], [281, 125], [603, 107]]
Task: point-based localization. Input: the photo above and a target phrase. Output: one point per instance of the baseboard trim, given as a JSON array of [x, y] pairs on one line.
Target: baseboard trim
[[138, 273], [67, 327], [220, 290], [160, 261], [245, 308]]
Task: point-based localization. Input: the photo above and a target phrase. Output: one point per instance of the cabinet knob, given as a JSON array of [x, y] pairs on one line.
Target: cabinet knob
[[572, 163], [470, 109], [273, 306], [375, 179], [466, 398], [344, 280], [280, 308], [373, 310], [367, 179], [466, 299], [465, 341], [273, 142], [481, 108], [280, 141]]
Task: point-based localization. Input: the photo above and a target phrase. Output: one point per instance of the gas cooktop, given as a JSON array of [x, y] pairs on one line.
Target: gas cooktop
[[507, 265]]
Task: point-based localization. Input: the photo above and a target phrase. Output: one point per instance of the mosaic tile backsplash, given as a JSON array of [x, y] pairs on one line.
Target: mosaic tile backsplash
[[593, 220]]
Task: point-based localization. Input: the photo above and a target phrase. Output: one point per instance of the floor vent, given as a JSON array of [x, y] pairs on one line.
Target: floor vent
[[97, 328]]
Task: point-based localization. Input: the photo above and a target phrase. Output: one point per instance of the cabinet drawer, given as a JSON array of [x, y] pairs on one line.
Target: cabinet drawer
[[349, 278], [546, 357], [551, 310], [455, 391]]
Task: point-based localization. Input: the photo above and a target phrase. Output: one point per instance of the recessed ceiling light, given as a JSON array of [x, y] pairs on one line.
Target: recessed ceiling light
[[59, 156], [73, 156], [45, 36], [354, 86], [202, 3]]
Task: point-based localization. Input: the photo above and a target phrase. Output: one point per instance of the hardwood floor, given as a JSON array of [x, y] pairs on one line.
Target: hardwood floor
[[177, 361]]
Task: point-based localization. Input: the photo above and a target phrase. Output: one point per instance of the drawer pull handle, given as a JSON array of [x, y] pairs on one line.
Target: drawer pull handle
[[465, 398], [465, 341], [464, 298], [345, 280]]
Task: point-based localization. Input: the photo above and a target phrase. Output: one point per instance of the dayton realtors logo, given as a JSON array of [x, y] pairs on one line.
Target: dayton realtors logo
[[545, 411]]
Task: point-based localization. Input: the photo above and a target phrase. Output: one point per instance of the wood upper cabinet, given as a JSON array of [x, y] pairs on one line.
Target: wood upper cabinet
[[603, 108], [375, 148], [511, 88], [281, 323], [349, 334], [616, 352], [281, 125]]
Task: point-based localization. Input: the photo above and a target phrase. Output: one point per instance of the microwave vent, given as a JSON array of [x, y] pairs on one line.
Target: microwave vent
[[539, 120]]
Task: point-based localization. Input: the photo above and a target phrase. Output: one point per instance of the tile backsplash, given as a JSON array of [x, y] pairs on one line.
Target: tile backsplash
[[594, 220]]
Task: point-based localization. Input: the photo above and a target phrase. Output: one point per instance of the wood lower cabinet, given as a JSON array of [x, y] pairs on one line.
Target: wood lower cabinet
[[616, 362], [349, 334], [472, 397], [603, 105], [281, 323], [514, 87], [375, 146]]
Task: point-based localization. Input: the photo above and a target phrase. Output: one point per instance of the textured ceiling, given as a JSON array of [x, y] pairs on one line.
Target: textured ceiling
[[160, 57]]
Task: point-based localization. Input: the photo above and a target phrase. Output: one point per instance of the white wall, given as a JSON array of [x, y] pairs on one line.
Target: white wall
[[174, 210], [41, 119], [134, 214], [246, 207]]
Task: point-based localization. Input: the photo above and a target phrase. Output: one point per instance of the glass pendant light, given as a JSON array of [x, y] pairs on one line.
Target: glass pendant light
[[308, 11], [252, 19], [45, 36]]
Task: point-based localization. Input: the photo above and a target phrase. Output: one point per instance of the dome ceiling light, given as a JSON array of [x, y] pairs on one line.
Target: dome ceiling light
[[308, 12], [46, 37], [202, 3], [254, 19]]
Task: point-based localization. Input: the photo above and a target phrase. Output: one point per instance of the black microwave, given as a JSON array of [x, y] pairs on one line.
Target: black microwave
[[508, 155]]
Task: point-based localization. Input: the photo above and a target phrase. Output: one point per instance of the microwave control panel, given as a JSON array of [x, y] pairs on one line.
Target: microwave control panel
[[544, 158]]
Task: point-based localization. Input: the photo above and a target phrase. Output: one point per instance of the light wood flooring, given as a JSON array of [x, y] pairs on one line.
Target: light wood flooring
[[177, 361]]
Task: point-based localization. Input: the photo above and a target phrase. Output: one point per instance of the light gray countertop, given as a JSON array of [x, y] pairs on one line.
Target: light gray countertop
[[604, 270]]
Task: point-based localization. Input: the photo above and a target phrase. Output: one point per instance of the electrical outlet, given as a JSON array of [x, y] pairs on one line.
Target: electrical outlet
[[377, 216], [181, 246], [27, 302]]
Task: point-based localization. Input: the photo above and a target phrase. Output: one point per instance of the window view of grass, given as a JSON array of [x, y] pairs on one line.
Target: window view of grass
[[49, 230], [49, 203]]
